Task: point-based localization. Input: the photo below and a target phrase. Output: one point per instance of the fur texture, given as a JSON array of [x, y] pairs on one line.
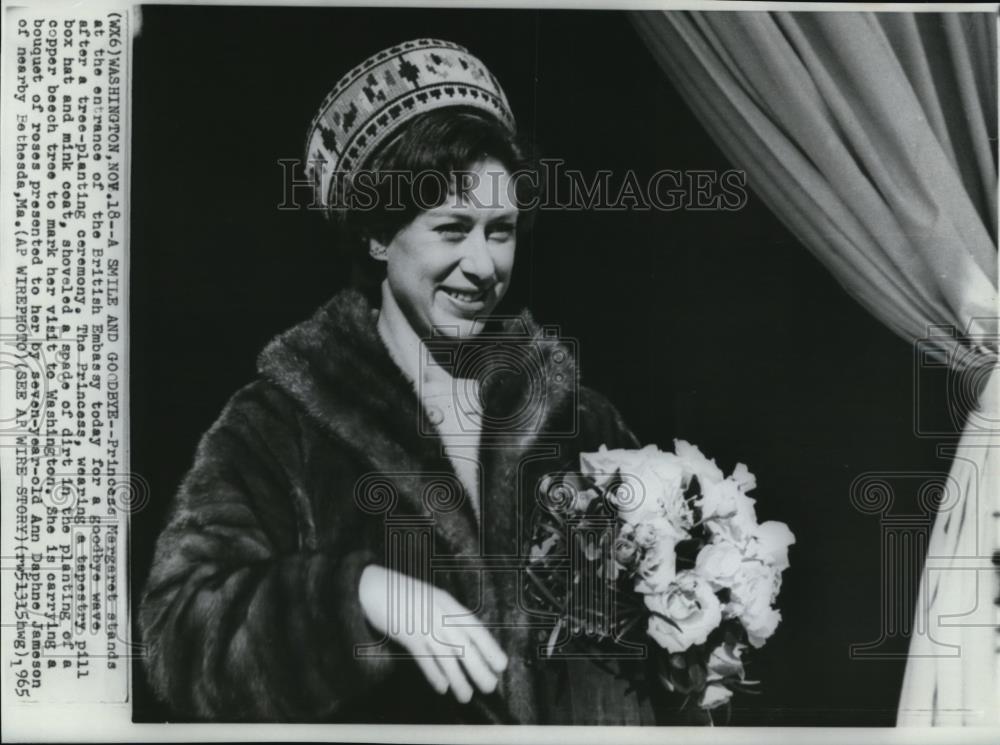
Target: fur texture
[[251, 610]]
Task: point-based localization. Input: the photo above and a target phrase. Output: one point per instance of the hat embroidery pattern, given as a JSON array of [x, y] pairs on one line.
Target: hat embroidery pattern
[[384, 92]]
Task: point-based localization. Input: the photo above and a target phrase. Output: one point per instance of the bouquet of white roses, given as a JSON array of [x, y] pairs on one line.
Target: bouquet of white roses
[[684, 560]]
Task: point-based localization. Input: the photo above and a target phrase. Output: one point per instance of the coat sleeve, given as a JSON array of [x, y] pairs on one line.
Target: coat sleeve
[[241, 622]]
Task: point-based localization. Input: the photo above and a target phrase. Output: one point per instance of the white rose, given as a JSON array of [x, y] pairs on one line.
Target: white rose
[[715, 695], [696, 464], [742, 476], [728, 513], [725, 661], [761, 627], [690, 604], [719, 564], [719, 499], [566, 493], [658, 565], [604, 464], [651, 490], [652, 483], [665, 471], [753, 594], [666, 467], [755, 580], [644, 534], [656, 571], [770, 544], [636, 498]]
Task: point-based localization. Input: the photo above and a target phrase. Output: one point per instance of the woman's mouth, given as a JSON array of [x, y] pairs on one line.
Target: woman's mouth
[[466, 299], [466, 296]]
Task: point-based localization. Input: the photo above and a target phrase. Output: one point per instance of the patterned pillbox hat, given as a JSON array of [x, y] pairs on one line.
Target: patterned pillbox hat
[[385, 91]]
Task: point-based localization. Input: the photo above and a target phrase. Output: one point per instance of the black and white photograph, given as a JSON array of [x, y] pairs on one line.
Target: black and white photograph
[[568, 365]]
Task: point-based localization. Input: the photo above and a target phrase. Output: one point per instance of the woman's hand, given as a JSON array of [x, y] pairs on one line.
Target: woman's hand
[[450, 645]]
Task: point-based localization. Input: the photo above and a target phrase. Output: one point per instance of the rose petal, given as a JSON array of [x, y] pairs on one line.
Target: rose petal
[[715, 695]]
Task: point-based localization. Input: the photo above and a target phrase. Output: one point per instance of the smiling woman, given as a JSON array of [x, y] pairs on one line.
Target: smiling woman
[[282, 587], [450, 266], [442, 165]]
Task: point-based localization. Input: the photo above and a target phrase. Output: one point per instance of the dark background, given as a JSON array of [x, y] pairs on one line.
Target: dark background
[[717, 327]]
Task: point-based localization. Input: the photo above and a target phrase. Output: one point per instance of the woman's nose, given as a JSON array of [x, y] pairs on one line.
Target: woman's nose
[[477, 260]]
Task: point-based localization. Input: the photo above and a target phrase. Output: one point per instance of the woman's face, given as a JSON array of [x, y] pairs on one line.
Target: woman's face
[[451, 265]]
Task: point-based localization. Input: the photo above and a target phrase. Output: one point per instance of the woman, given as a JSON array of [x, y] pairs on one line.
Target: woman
[[347, 544]]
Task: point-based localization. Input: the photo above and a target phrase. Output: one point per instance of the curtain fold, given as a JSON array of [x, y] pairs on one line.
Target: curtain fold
[[873, 137]]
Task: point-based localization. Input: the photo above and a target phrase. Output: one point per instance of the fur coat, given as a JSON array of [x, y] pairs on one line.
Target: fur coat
[[251, 610]]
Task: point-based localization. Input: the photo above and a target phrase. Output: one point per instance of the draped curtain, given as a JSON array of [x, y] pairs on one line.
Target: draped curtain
[[872, 137]]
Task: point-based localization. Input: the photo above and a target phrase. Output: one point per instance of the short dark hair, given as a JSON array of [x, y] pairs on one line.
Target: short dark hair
[[443, 141]]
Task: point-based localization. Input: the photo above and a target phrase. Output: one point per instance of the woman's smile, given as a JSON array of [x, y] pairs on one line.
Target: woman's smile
[[468, 300]]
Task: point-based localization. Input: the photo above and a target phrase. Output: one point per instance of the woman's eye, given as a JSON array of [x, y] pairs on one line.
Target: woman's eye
[[451, 231], [501, 233]]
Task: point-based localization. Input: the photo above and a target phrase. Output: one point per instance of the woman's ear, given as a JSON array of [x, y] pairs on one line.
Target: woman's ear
[[377, 250]]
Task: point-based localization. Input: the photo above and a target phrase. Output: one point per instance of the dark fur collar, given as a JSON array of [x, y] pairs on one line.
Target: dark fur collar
[[336, 366]]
